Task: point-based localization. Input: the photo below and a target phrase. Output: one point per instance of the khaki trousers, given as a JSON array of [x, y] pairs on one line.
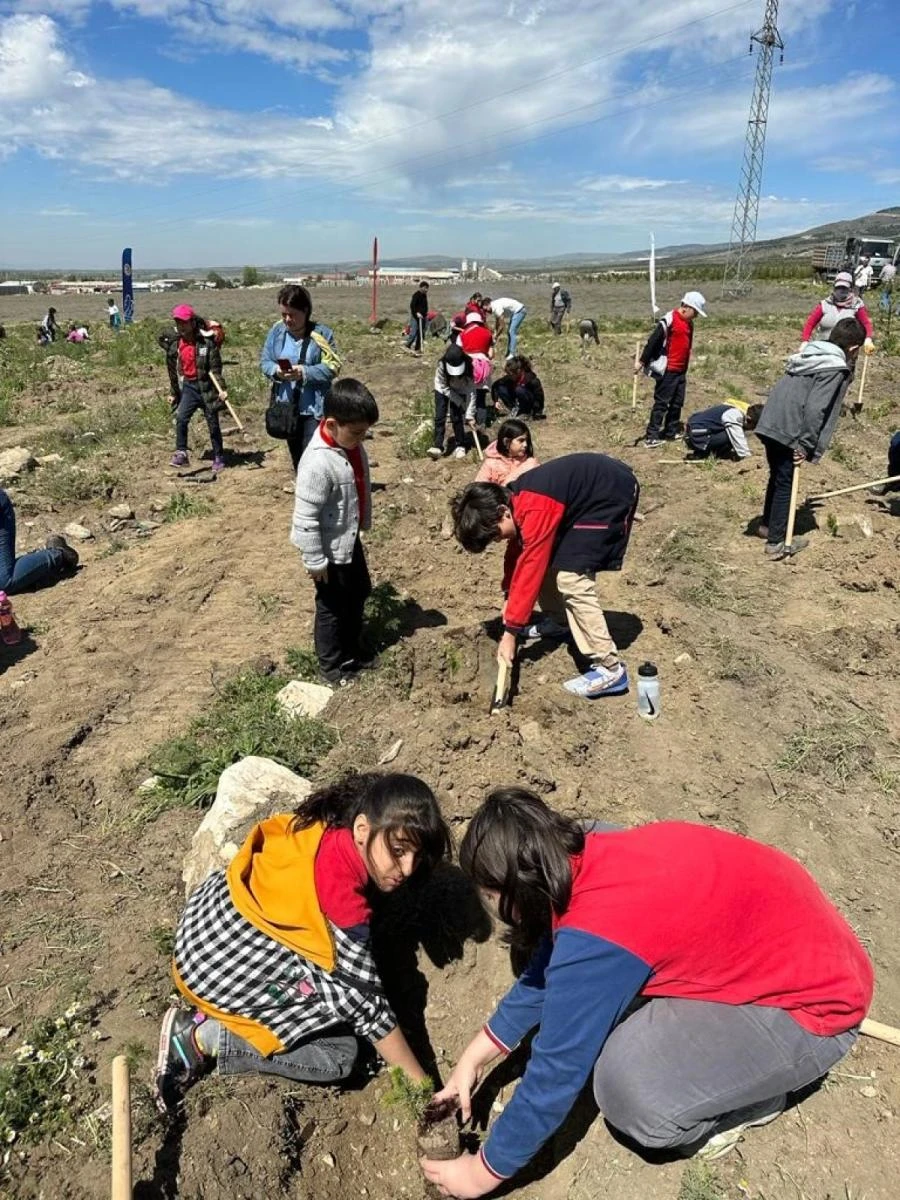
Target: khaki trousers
[[567, 596]]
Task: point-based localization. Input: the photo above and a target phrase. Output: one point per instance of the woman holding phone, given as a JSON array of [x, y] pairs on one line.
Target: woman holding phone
[[300, 359]]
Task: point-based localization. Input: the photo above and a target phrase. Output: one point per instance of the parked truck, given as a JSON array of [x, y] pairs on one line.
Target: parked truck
[[831, 257]]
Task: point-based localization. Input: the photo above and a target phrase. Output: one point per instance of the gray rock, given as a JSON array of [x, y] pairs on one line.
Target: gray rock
[[77, 533], [14, 462], [122, 512], [301, 699]]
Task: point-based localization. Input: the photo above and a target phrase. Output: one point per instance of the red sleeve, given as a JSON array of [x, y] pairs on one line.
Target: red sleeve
[[341, 879], [537, 518], [865, 320], [811, 322]]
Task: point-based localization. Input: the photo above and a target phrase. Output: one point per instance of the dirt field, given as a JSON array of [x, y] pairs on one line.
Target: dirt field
[[780, 721]]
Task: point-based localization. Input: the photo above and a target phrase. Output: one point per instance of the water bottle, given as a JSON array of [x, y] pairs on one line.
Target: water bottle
[[648, 691], [10, 632]]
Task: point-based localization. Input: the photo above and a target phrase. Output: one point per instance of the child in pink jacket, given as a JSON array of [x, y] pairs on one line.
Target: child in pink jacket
[[509, 456]]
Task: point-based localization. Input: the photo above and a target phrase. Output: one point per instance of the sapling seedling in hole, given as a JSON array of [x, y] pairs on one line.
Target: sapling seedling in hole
[[437, 1132]]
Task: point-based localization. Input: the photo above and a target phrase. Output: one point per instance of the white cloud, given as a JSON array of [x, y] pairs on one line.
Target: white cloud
[[63, 210], [622, 183]]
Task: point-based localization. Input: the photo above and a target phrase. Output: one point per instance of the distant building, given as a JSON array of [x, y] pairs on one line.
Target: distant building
[[83, 287], [414, 274], [16, 287]]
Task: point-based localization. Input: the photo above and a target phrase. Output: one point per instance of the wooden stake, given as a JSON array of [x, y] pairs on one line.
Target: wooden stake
[[857, 487], [862, 384], [477, 442], [637, 351], [884, 1033], [226, 402], [792, 510], [121, 1129], [500, 699]]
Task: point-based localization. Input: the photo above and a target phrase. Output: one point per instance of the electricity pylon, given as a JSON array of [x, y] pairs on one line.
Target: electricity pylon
[[738, 266]]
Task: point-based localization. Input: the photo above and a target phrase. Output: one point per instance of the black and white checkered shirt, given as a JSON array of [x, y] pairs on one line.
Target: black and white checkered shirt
[[235, 967]]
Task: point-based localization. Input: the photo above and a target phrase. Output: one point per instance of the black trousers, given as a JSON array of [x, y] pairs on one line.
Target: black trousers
[[668, 401], [444, 406], [719, 445], [298, 441], [340, 600], [190, 401], [778, 489]]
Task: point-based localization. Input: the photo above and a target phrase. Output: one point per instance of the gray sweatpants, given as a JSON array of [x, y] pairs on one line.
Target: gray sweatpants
[[669, 1075]]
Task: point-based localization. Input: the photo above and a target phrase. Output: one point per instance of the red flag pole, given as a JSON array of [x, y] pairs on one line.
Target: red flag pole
[[373, 320]]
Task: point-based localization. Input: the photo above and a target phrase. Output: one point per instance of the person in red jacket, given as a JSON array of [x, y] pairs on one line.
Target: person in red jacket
[[665, 358], [563, 522], [697, 976]]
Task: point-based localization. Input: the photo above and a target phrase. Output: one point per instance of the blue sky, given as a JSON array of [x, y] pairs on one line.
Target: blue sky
[[214, 132]]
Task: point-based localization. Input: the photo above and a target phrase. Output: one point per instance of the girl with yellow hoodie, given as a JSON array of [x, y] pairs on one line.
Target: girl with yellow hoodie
[[272, 954]]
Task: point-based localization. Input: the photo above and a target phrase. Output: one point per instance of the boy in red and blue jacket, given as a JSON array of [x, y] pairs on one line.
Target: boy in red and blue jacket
[[563, 521]]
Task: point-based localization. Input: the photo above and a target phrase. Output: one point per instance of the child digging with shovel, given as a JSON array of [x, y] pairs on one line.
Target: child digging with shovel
[[798, 423]]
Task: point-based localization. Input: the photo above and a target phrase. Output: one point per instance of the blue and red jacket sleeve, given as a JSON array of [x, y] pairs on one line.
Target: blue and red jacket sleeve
[[521, 1008], [588, 984], [537, 519]]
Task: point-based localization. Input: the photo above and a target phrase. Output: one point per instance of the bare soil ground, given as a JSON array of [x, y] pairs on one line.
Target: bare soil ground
[[782, 723]]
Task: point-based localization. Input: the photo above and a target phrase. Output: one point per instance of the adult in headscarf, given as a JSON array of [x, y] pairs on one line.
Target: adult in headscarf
[[300, 358], [841, 305]]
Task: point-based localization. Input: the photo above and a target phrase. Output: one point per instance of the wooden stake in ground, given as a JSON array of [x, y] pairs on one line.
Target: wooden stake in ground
[[500, 699], [857, 487], [792, 510], [884, 1033], [121, 1129], [637, 351], [477, 442], [225, 401], [857, 407]]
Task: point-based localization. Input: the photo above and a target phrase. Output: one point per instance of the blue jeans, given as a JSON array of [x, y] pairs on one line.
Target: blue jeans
[[324, 1059], [416, 334], [514, 322], [30, 570]]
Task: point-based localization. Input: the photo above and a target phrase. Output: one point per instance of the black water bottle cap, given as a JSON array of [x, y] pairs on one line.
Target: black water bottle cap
[[647, 670]]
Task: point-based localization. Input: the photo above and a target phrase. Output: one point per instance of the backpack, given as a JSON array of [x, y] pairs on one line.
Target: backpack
[[215, 331], [657, 367], [566, 299]]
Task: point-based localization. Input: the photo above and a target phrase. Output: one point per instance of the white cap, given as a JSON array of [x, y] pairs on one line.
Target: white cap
[[474, 317], [695, 300], [556, 285], [455, 368]]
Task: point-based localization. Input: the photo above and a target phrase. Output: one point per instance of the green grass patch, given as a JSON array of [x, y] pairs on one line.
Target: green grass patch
[[243, 719], [699, 1182], [182, 506], [36, 1085], [834, 751], [65, 485], [385, 615], [303, 663]]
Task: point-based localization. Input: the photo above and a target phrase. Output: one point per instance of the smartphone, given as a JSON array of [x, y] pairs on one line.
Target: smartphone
[[285, 366]]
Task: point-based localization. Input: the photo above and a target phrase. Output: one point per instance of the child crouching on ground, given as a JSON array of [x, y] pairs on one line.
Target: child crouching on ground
[[519, 390], [509, 456], [799, 420], [332, 504], [720, 431], [563, 522], [273, 952]]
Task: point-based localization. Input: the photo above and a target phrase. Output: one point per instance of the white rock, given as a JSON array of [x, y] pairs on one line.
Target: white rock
[[391, 753], [682, 659], [48, 460], [122, 512], [13, 462], [244, 788], [149, 784], [77, 533], [301, 699]]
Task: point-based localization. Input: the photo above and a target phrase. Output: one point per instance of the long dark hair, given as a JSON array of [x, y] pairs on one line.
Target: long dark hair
[[512, 428], [518, 847], [392, 804]]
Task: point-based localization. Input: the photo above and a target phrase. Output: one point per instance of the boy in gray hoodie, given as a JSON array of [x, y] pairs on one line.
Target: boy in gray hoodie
[[799, 420], [332, 503]]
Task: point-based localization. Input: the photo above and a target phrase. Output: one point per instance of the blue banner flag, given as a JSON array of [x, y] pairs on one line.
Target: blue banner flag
[[127, 287]]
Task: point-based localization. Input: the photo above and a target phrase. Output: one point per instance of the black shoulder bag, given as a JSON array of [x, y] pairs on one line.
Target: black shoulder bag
[[282, 417]]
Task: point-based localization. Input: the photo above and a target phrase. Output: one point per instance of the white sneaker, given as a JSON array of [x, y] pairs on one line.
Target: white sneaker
[[750, 1117], [434, 452], [599, 681], [459, 452]]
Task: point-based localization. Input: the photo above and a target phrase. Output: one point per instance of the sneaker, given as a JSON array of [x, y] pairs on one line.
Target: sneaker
[[751, 1117], [775, 551], [370, 663], [435, 452], [599, 681], [218, 464], [180, 1061], [69, 554], [343, 677], [460, 452], [652, 441], [881, 489], [179, 459], [546, 627], [762, 531]]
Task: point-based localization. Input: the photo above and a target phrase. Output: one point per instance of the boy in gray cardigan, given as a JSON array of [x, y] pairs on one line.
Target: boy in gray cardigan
[[332, 504], [799, 420]]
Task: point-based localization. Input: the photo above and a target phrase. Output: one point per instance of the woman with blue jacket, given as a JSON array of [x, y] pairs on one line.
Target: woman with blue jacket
[[300, 358]]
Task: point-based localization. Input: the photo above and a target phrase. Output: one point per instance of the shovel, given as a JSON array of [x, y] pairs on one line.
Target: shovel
[[500, 698]]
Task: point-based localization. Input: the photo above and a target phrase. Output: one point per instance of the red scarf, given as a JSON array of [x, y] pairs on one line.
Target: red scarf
[[355, 458]]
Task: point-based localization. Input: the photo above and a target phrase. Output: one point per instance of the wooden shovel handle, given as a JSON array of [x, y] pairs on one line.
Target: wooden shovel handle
[[121, 1129]]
